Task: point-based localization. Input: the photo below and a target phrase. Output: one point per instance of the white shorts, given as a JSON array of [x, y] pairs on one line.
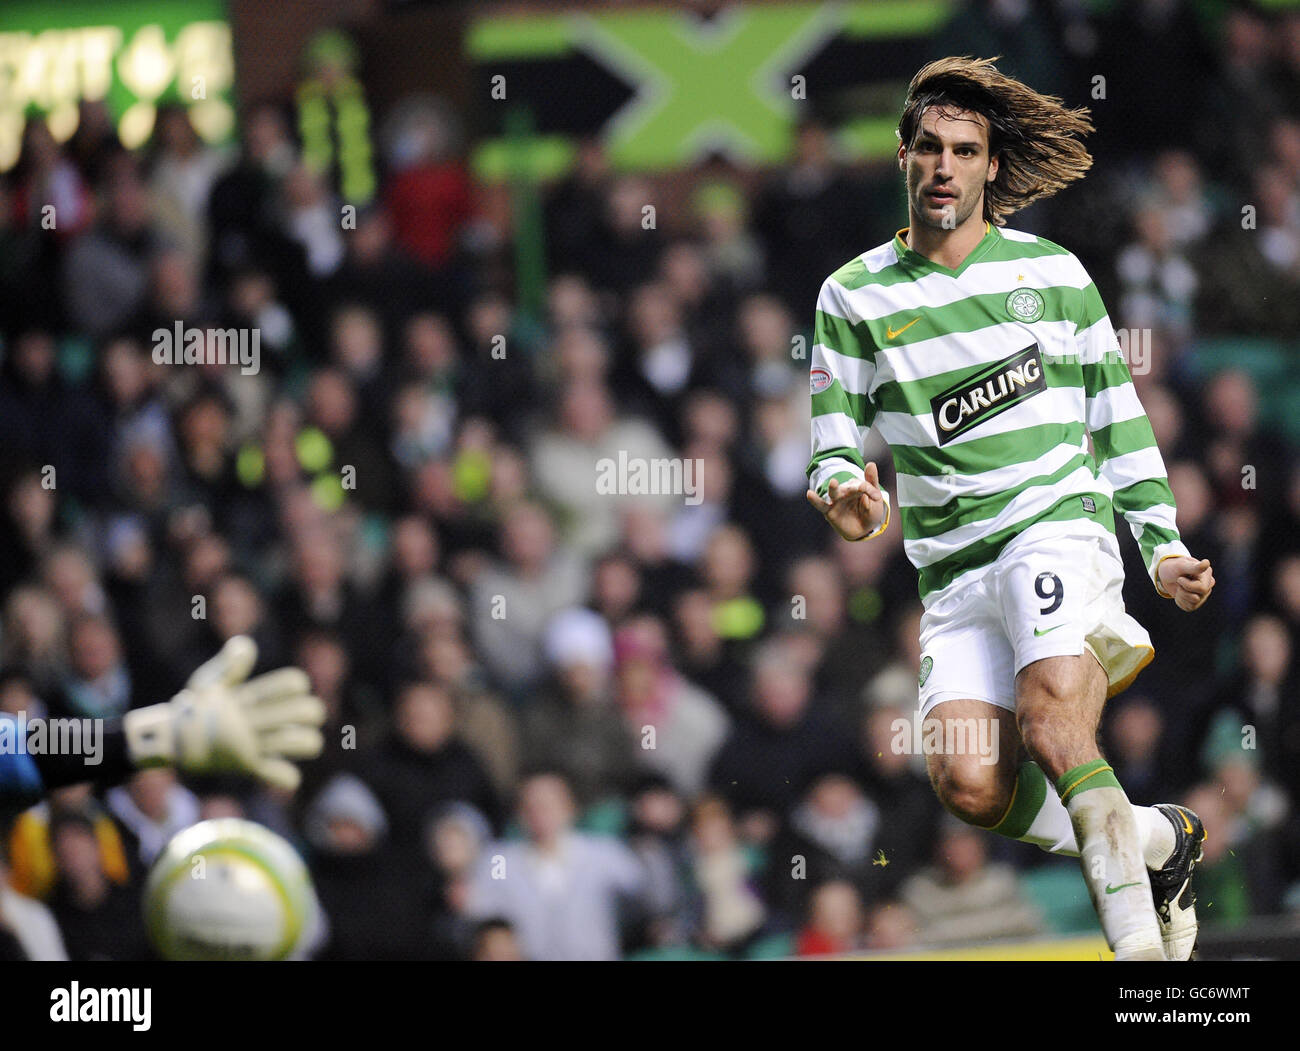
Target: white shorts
[[1050, 596]]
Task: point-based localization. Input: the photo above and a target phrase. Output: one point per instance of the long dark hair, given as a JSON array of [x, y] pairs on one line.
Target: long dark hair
[[1035, 136]]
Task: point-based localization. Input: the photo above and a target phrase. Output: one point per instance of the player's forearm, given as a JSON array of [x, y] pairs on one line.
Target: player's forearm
[[29, 769], [112, 763], [1130, 461], [1149, 508]]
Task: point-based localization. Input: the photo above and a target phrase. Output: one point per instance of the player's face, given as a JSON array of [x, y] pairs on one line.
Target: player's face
[[947, 168]]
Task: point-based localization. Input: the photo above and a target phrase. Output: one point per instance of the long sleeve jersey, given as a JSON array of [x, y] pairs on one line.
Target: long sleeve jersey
[[986, 382]]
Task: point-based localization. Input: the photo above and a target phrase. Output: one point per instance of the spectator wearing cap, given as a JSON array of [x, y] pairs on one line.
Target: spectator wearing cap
[[575, 726], [454, 842], [374, 911]]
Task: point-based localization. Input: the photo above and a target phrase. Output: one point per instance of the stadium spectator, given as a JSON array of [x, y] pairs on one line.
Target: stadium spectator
[[559, 888], [895, 781], [106, 272], [830, 836], [961, 897], [835, 920], [657, 834], [151, 808], [890, 925], [783, 743], [588, 444], [1257, 704], [728, 911], [371, 911], [1137, 745], [419, 766], [677, 727], [575, 725], [28, 930], [494, 940], [511, 602], [100, 919]]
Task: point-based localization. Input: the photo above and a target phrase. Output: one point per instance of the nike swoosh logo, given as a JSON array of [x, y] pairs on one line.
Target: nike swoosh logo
[[1038, 633], [895, 333], [1112, 890], [1187, 825]]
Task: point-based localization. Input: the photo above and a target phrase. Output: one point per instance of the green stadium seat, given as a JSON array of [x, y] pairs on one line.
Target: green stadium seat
[[773, 947], [1058, 891]]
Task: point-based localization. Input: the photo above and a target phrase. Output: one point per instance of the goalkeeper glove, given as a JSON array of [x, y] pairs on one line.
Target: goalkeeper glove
[[220, 723]]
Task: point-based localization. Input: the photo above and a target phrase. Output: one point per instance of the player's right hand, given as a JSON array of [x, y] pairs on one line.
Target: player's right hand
[[1185, 580], [220, 723], [855, 508]]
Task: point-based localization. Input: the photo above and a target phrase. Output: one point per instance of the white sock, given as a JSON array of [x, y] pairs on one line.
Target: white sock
[[1110, 857]]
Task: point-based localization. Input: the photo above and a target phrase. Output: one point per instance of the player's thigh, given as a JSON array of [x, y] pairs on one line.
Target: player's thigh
[[1058, 709], [972, 751]]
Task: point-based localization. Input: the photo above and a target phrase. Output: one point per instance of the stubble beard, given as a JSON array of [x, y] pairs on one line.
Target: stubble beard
[[922, 212]]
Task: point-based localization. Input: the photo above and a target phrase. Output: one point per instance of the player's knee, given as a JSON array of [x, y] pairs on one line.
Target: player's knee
[[969, 790]]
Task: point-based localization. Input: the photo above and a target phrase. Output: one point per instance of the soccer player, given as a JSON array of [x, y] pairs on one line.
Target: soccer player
[[986, 359], [219, 722]]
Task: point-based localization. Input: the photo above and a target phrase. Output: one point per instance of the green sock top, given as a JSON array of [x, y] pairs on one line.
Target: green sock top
[[1096, 773], [1026, 801]]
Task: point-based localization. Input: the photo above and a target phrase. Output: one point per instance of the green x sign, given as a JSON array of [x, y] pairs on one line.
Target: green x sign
[[723, 85]]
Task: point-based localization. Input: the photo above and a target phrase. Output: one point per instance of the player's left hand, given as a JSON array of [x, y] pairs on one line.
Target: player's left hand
[[1187, 581]]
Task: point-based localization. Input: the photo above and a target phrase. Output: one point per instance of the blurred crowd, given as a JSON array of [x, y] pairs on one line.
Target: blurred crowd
[[568, 723]]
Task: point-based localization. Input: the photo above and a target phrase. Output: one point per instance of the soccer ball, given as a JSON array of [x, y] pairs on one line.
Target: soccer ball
[[229, 889]]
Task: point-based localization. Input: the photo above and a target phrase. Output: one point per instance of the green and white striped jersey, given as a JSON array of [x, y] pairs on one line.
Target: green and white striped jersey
[[986, 382]]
